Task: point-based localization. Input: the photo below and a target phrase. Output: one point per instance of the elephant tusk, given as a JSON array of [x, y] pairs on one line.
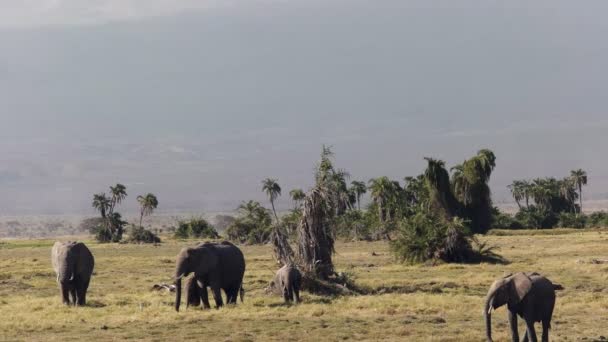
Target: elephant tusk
[[179, 277]]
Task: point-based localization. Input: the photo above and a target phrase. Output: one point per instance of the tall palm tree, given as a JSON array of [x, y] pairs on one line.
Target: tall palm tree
[[297, 195], [148, 203], [273, 190], [102, 203], [359, 188], [580, 178], [119, 193], [380, 190], [517, 190]]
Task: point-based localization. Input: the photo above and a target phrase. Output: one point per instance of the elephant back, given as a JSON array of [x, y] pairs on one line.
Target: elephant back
[[231, 263]]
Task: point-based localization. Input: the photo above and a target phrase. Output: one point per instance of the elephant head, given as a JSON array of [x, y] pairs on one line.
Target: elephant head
[[509, 290], [199, 260]]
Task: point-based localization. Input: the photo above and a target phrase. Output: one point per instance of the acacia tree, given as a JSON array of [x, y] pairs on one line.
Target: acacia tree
[[273, 190], [580, 178], [147, 204]]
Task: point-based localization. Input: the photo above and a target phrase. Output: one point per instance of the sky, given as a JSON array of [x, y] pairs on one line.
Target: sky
[[198, 101]]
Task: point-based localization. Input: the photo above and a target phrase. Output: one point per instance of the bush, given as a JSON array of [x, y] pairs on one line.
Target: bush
[[537, 218], [195, 228], [502, 220], [354, 225], [598, 219], [140, 235], [109, 229], [246, 231], [425, 237], [571, 220]]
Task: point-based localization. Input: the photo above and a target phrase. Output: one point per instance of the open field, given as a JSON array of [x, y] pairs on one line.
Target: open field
[[410, 303]]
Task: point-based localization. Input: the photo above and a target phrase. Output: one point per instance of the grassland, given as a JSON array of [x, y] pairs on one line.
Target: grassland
[[410, 303]]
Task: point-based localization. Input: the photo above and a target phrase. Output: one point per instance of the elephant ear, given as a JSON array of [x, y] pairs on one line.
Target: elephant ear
[[520, 286]]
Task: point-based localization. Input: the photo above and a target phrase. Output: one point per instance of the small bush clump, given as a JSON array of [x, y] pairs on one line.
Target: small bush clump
[[140, 235], [196, 228]]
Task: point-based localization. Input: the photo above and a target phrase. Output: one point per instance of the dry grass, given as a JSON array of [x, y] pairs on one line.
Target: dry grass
[[411, 303]]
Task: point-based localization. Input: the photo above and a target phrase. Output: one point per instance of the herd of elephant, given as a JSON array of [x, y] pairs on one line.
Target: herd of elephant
[[221, 266]]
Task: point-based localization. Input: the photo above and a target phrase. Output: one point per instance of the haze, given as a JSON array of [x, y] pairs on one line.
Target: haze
[[198, 101]]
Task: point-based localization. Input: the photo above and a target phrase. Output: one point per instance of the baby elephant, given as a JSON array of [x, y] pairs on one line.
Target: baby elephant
[[529, 295], [73, 263], [288, 279]]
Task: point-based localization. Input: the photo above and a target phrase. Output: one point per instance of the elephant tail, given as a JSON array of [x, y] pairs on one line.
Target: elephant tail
[[558, 287], [241, 292]]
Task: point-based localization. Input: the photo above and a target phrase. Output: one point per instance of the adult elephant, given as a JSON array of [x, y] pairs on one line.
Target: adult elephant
[[73, 263], [529, 295], [220, 266]]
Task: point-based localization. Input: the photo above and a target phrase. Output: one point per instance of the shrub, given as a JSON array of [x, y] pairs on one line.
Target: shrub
[[196, 228], [425, 236], [502, 220], [571, 220], [598, 219], [140, 235], [535, 217], [354, 225]]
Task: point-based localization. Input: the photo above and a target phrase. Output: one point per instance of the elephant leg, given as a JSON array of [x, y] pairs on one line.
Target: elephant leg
[[81, 291], [205, 297], [73, 294], [525, 337], [217, 295], [296, 293], [530, 330], [513, 325], [230, 296], [286, 295], [546, 325], [65, 293]]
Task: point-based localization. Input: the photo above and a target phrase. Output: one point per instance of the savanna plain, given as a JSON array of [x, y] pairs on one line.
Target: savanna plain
[[402, 302]]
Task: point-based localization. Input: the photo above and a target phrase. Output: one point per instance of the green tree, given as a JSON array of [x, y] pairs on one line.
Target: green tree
[[380, 190], [359, 189], [517, 191], [119, 193], [273, 190], [580, 178], [297, 195], [147, 204], [102, 203]]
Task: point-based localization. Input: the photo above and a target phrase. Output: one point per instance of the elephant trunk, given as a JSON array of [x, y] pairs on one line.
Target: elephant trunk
[[178, 293], [488, 317]]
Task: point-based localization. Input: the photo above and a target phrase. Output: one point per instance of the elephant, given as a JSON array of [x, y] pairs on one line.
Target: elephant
[[73, 263], [529, 295], [220, 266], [288, 279]]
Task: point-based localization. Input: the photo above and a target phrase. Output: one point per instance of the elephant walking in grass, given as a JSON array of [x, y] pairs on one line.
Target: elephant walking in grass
[[529, 295], [73, 263], [288, 280], [220, 266]]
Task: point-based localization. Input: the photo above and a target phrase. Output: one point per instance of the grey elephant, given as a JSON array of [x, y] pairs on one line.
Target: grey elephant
[[529, 295], [220, 266], [288, 280], [73, 263]]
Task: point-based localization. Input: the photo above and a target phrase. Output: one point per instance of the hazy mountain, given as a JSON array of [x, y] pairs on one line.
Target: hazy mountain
[[199, 101]]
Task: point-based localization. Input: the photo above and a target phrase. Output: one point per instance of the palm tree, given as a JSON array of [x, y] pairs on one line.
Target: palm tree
[[273, 190], [359, 189], [380, 190], [297, 195], [517, 190], [148, 203], [102, 203], [580, 178], [119, 192]]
